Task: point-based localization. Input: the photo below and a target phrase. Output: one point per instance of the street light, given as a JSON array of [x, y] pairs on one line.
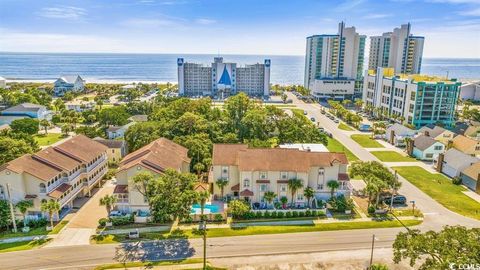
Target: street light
[[202, 226], [413, 207], [371, 254]]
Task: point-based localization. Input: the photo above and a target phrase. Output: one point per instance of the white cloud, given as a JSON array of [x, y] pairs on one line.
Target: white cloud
[[63, 12], [376, 16], [349, 4], [455, 1], [149, 23], [205, 21], [471, 12]]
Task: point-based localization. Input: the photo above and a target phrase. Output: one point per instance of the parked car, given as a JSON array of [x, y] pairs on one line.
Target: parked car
[[305, 113], [321, 129], [336, 121], [313, 119], [322, 111], [398, 199]]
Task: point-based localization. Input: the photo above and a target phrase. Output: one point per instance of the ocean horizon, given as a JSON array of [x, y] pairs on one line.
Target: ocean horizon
[[153, 67]]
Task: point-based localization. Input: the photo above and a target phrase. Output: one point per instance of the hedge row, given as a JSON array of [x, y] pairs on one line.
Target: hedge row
[[282, 214]]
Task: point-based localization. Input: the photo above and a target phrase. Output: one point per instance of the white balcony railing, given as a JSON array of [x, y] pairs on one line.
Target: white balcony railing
[[70, 195], [100, 174], [96, 163]]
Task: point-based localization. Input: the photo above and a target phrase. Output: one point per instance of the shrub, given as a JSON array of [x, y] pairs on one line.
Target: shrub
[[288, 214], [308, 213], [267, 214], [249, 215], [457, 180], [102, 222], [295, 214], [188, 219], [119, 221], [301, 214], [238, 208], [371, 209], [259, 214], [280, 214], [218, 217], [277, 205], [37, 223]]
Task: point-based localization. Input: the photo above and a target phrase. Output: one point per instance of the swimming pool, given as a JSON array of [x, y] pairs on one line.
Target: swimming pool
[[208, 209]]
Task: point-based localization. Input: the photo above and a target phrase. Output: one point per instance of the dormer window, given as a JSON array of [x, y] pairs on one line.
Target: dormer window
[[263, 175], [283, 175]]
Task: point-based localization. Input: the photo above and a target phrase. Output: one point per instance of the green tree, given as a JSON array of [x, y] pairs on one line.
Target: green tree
[[284, 201], [358, 103], [51, 207], [5, 217], [438, 250], [378, 266], [66, 129], [284, 97], [141, 134], [308, 193], [269, 196], [89, 131], [45, 124], [23, 208], [202, 200], [25, 125], [140, 183], [221, 183], [11, 149], [332, 184], [238, 208], [294, 185], [108, 201], [116, 115]]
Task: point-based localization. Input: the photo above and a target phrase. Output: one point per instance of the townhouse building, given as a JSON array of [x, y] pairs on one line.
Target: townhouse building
[[155, 158], [62, 173], [251, 172], [66, 84]]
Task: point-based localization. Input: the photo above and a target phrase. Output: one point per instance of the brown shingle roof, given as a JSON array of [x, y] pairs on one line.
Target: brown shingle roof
[[272, 159], [246, 193], [472, 171], [110, 143], [423, 142], [49, 162], [56, 193], [464, 144], [157, 156]]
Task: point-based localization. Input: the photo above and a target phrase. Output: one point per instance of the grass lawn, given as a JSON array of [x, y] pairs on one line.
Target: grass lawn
[[391, 156], [35, 231], [255, 230], [8, 247], [48, 139], [148, 265], [346, 127], [58, 227], [366, 141], [441, 189], [336, 146]]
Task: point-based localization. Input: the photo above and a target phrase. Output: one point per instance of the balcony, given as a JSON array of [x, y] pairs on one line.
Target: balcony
[[96, 163], [100, 174], [70, 195]]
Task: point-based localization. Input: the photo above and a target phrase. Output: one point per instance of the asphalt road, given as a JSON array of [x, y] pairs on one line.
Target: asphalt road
[[86, 257]]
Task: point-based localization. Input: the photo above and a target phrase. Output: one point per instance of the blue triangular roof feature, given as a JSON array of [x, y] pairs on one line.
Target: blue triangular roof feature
[[225, 79]]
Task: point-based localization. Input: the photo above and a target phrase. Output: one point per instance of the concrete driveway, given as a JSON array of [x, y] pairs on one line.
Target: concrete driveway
[[83, 223]]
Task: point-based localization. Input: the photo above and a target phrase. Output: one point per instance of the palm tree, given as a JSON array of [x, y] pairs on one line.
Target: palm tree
[[294, 185], [332, 184], [308, 193], [51, 207], [23, 207], [45, 124], [284, 201], [269, 196], [358, 103], [221, 183], [198, 167], [66, 128], [202, 200], [108, 201]]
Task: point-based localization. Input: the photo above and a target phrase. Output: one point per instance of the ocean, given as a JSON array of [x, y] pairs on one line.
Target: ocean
[[103, 67]]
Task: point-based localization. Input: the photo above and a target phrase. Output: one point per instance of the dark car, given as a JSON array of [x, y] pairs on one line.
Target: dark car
[[313, 119], [399, 199]]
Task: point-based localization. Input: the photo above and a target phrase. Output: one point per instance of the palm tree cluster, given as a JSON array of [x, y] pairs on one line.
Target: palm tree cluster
[[339, 110], [51, 207]]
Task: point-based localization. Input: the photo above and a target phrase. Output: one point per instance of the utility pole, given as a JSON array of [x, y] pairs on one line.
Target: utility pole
[[203, 229], [12, 213], [371, 254]]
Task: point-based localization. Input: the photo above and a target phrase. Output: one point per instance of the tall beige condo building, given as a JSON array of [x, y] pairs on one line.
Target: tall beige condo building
[[399, 50]]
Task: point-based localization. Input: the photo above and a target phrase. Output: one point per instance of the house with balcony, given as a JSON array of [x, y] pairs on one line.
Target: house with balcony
[[62, 173], [66, 84], [250, 172], [155, 158], [397, 133]]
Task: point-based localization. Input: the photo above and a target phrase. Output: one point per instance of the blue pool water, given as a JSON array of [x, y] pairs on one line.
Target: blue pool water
[[209, 208]]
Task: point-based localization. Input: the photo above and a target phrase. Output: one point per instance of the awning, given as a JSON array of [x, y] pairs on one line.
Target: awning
[[343, 177], [236, 187], [120, 189], [246, 193], [263, 181], [57, 193], [282, 181]]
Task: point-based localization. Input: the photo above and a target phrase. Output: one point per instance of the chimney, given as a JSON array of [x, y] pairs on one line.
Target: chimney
[[478, 184], [392, 137], [439, 167], [449, 144], [427, 133], [410, 147]]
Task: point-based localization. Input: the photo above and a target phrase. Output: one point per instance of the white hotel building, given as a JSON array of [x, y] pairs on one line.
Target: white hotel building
[[399, 50], [223, 79], [334, 63]]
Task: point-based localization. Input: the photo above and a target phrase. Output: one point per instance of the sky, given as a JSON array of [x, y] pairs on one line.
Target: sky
[[264, 27]]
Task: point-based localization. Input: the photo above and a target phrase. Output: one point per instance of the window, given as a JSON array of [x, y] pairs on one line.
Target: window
[[224, 169], [429, 155], [2, 193], [246, 183], [263, 175], [283, 188], [299, 197], [43, 188], [284, 175], [321, 171], [477, 148], [263, 187], [438, 147]]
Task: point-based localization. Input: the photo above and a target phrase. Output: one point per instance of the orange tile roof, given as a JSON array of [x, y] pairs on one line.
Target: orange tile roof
[[157, 156], [464, 144], [273, 159], [82, 148]]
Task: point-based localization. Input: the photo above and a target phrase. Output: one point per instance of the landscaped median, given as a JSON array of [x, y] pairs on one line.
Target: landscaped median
[[345, 127], [366, 141], [336, 146], [193, 262], [391, 156], [257, 230], [441, 189], [24, 245]]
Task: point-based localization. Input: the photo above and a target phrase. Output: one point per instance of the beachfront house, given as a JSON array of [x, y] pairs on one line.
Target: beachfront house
[[62, 173], [426, 148], [396, 134], [3, 83], [250, 172], [453, 162], [154, 158], [66, 84]]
